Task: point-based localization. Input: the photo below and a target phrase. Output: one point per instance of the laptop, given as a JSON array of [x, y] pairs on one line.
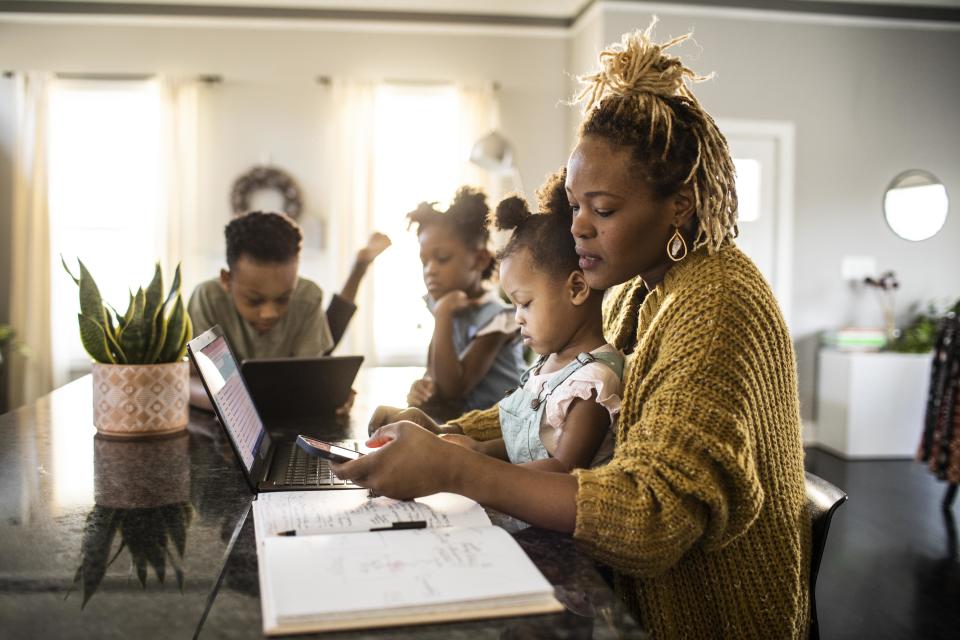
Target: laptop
[[292, 393], [269, 462]]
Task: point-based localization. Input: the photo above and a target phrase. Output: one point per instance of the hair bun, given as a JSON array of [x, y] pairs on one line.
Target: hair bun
[[425, 208], [638, 66], [470, 203], [511, 213]]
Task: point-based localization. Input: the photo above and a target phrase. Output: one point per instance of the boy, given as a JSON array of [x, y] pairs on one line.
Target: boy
[[260, 303]]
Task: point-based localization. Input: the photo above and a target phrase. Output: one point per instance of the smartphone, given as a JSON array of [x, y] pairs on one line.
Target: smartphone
[[327, 450]]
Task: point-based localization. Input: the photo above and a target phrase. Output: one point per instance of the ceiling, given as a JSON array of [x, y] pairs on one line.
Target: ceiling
[[547, 13]]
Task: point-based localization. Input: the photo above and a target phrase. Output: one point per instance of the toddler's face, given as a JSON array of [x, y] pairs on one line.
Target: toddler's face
[[545, 312], [448, 264], [261, 291]]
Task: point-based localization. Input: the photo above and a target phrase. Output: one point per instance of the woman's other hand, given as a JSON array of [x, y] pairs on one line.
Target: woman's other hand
[[384, 415], [463, 441]]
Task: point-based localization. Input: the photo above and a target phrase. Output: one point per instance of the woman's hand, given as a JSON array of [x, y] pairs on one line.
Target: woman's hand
[[410, 462], [421, 391], [384, 415], [463, 441]]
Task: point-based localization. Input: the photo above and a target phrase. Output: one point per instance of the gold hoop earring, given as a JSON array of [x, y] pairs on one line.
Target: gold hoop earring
[[676, 246]]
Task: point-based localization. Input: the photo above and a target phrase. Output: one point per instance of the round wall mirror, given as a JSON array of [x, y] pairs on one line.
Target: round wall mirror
[[915, 205]]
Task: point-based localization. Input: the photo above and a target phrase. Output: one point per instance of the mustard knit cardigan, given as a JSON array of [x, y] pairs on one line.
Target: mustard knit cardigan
[[701, 513]]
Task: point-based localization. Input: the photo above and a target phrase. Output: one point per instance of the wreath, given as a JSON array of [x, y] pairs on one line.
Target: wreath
[[266, 178]]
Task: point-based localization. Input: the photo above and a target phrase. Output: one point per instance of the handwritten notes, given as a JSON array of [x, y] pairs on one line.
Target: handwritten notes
[[315, 512], [374, 572]]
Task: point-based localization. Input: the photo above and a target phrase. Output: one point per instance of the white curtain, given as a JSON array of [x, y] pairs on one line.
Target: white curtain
[[479, 115], [31, 376], [351, 162], [180, 104], [350, 210]]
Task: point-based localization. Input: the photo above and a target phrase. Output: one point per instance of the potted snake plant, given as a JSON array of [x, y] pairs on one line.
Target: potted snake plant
[[141, 379]]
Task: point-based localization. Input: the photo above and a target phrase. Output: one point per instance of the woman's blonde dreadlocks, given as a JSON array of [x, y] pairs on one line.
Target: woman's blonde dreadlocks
[[640, 99]]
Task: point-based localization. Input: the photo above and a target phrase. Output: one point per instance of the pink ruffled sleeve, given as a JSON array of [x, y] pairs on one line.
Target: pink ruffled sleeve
[[594, 377]]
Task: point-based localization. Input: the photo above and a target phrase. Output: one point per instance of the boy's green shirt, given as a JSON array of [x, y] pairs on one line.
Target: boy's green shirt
[[302, 332]]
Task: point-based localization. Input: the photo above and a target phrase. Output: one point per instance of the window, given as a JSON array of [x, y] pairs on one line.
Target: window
[[417, 158], [105, 197]]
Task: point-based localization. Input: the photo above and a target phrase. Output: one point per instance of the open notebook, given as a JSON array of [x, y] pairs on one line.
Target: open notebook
[[336, 573]]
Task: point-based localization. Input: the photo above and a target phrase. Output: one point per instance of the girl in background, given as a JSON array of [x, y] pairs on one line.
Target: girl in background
[[475, 354]]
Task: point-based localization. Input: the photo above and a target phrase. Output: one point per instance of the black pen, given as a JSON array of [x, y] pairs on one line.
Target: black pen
[[406, 524]]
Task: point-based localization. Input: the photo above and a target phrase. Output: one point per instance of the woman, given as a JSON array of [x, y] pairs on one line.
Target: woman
[[701, 511]]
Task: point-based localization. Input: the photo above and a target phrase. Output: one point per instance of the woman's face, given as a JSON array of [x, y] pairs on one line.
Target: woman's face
[[620, 227]]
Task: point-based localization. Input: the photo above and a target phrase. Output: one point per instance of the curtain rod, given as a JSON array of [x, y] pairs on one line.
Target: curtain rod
[[209, 78], [327, 81]]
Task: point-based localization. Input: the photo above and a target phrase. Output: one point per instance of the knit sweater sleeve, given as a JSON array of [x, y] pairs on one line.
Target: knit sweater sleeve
[[483, 424], [683, 472]]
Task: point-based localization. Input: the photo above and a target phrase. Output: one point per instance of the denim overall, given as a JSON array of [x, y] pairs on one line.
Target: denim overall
[[505, 370], [521, 412]]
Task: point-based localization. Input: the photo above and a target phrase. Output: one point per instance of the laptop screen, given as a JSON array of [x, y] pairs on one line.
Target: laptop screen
[[221, 374]]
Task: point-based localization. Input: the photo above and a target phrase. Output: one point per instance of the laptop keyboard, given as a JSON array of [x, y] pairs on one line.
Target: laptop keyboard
[[304, 470]]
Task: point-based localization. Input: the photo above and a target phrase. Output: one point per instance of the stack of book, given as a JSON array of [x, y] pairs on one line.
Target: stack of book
[[854, 339]]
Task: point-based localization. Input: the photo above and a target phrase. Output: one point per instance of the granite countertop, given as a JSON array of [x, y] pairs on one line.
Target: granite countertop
[[154, 538]]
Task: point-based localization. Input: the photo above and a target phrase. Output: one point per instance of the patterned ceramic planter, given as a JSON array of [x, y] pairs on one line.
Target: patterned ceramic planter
[[135, 400]]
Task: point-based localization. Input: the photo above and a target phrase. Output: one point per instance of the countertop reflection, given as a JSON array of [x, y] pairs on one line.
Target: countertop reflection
[[153, 538], [110, 538]]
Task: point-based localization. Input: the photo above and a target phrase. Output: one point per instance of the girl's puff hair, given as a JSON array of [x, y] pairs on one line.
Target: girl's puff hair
[[640, 100], [546, 235], [466, 217]]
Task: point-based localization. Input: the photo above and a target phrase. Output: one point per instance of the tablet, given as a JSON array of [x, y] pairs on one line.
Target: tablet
[[294, 389]]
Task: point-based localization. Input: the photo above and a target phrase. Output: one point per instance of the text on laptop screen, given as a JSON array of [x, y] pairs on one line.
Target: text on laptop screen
[[222, 376]]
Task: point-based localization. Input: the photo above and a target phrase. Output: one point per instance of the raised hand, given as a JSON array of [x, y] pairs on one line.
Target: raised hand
[[376, 245]]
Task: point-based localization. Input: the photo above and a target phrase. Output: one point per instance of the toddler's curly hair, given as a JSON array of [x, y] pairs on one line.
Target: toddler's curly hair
[[546, 235]]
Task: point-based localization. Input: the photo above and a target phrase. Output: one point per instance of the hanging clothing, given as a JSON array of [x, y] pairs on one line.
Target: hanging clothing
[[940, 446]]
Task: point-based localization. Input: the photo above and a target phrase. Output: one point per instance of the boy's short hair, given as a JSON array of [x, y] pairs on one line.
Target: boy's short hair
[[263, 237]]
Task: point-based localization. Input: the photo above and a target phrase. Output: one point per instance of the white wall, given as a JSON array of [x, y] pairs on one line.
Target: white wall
[[270, 104], [586, 41], [867, 102]]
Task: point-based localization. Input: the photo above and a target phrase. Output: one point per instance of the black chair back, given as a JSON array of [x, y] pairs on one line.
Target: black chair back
[[822, 500]]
